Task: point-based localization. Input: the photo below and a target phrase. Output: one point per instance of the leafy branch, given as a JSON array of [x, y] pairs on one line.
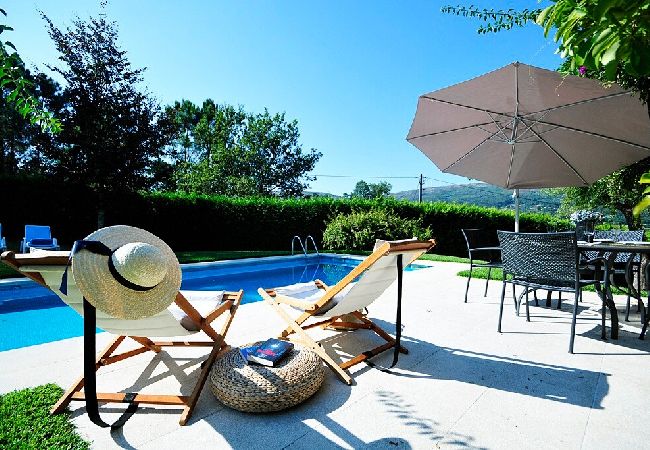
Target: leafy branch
[[496, 20], [13, 78]]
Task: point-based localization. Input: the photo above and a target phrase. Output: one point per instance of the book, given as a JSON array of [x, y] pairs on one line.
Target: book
[[270, 352], [246, 351]]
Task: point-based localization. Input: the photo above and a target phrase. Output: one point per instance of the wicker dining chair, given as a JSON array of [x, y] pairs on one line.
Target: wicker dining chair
[[480, 247], [547, 261]]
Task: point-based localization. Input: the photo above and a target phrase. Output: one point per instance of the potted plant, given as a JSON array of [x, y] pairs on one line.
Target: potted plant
[[585, 222]]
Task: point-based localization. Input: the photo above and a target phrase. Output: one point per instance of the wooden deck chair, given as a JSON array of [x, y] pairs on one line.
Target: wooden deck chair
[[333, 305], [192, 311]]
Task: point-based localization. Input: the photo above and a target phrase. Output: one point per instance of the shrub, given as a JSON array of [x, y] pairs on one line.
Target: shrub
[[360, 229]]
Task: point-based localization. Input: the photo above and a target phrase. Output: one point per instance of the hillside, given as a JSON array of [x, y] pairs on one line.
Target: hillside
[[531, 200]]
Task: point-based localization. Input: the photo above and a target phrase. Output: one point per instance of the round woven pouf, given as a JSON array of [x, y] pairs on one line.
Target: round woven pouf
[[254, 388]]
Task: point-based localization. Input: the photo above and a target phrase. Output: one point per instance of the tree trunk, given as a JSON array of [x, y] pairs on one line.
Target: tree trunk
[[100, 218], [100, 209], [633, 223]]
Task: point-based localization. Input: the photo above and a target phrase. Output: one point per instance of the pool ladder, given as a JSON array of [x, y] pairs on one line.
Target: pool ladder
[[303, 244]]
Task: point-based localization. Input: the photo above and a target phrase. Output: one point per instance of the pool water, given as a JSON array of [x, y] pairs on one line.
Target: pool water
[[31, 314]]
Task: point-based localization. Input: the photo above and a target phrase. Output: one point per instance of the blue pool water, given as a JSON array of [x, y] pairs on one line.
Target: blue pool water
[[31, 314]]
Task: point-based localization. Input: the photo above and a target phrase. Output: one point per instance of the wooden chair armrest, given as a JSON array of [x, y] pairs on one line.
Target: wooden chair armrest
[[306, 306]]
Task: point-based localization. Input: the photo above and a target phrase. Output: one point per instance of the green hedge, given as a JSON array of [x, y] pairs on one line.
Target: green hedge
[[191, 222]]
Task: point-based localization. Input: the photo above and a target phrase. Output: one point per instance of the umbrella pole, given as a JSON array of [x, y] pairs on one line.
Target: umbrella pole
[[515, 194]]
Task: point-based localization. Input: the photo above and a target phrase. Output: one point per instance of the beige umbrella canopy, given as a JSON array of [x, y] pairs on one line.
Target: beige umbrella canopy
[[525, 127]]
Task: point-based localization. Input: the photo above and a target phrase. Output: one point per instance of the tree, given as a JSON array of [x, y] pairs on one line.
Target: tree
[[619, 191], [22, 140], [233, 152], [17, 86], [183, 116], [111, 136], [361, 190], [612, 35], [371, 190]]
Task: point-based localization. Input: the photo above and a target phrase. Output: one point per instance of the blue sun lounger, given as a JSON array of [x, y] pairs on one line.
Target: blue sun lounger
[[38, 236], [3, 242]]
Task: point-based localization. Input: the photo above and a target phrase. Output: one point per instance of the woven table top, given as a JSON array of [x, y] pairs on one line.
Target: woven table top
[[255, 388]]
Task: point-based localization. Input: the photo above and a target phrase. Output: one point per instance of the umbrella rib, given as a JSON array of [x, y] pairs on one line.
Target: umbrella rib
[[500, 129], [570, 166], [469, 152], [460, 105], [580, 102], [478, 125], [591, 133]]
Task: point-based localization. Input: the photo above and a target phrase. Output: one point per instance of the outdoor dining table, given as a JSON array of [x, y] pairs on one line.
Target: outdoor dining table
[[609, 249]]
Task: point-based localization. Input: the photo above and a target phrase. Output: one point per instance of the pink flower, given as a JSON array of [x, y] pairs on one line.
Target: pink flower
[[582, 70]]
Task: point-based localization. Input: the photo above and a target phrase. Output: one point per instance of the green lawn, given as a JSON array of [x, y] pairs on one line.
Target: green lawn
[[497, 274], [205, 256], [25, 421]]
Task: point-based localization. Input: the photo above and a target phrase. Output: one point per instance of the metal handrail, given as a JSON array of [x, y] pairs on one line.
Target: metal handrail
[[313, 242], [301, 245]]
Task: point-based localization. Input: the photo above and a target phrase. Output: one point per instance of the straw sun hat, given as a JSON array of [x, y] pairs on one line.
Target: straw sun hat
[[144, 278]]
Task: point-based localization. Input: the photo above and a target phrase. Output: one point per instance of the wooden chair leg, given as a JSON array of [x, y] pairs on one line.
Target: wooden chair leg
[[78, 385], [220, 347], [306, 339], [378, 330], [218, 350]]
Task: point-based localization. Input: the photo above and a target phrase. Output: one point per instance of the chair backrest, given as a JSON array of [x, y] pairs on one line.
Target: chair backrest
[[544, 258], [618, 235], [37, 232], [477, 238], [376, 273], [49, 266]]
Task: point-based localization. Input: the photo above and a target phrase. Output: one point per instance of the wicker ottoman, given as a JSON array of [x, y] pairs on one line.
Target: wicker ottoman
[[255, 388]]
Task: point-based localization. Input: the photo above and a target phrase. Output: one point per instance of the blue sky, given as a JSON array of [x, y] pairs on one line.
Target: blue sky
[[349, 72]]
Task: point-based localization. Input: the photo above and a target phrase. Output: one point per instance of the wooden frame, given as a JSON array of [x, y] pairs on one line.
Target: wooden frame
[[298, 326], [229, 305]]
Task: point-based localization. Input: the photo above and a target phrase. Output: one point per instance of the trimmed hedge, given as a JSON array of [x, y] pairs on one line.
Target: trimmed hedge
[[193, 222]]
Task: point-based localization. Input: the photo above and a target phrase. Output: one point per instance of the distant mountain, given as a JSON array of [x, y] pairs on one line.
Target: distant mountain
[[481, 194], [320, 194]]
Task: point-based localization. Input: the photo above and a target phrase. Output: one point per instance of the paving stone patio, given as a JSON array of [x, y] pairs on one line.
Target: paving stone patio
[[463, 385]]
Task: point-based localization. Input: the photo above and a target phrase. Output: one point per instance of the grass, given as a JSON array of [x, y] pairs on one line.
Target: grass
[[25, 421], [445, 258], [497, 274], [8, 272], [205, 256]]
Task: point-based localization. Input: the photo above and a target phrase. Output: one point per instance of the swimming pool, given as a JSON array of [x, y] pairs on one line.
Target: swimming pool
[[31, 314]]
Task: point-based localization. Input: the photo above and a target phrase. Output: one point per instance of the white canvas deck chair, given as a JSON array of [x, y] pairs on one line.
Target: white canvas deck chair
[[332, 305], [192, 311]]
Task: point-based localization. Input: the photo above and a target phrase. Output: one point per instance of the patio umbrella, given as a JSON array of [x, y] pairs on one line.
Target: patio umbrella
[[525, 127]]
